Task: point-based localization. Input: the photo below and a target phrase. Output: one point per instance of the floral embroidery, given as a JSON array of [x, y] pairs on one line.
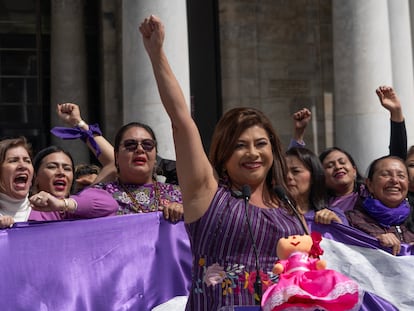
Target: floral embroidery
[[232, 279], [214, 275], [201, 262], [144, 195], [266, 282], [123, 197]]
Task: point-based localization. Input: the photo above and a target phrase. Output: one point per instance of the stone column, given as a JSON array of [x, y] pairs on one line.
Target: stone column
[[362, 62], [141, 101], [111, 72], [68, 67], [402, 59]]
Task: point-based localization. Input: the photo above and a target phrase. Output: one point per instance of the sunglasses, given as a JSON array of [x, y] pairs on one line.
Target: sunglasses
[[132, 144]]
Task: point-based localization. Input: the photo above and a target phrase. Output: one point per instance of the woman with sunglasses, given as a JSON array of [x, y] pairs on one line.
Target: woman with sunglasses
[[134, 189]]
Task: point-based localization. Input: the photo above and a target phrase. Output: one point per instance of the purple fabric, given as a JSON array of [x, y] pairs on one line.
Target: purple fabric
[[93, 202], [76, 132], [43, 216], [345, 202], [222, 247], [387, 216], [310, 215], [294, 143], [348, 202], [132, 262], [371, 302], [352, 236]]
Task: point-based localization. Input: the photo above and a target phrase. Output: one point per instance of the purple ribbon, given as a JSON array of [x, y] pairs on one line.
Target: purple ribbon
[[76, 132]]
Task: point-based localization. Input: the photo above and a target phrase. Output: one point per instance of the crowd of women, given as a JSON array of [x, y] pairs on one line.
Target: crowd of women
[[245, 153], [39, 189]]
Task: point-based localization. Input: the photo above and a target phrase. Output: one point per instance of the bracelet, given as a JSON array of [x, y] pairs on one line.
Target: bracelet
[[75, 206], [66, 205]]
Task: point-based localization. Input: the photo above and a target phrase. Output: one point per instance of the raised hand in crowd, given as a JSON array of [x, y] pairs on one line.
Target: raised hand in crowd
[[245, 153], [301, 120], [390, 101], [70, 114], [398, 137]]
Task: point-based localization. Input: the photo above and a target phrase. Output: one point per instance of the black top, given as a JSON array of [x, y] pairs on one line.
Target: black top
[[398, 140]]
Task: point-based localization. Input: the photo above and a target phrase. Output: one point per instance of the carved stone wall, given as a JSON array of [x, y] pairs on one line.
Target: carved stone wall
[[276, 55]]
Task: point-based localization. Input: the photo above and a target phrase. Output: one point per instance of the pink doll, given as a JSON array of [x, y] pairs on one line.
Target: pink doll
[[304, 283]]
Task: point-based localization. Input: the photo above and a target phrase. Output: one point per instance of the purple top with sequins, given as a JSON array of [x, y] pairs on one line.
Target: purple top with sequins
[[106, 199], [224, 269]]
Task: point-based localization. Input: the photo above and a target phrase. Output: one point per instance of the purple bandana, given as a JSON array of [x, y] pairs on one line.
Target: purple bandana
[[76, 132], [387, 216]]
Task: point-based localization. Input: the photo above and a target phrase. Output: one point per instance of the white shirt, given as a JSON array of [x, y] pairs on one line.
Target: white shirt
[[19, 209]]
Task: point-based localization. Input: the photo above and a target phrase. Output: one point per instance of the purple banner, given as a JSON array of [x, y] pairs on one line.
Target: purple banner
[[132, 262], [137, 262]]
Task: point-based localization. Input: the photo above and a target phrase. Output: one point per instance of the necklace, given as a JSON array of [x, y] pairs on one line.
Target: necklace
[[152, 206]]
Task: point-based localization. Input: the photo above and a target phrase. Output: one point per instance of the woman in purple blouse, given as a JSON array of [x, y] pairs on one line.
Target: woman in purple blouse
[[233, 216]]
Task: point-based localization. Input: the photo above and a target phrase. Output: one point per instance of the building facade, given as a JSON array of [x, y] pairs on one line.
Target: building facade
[[275, 55]]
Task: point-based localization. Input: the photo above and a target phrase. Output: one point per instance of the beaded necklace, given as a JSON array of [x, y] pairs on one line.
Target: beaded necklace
[[138, 207]]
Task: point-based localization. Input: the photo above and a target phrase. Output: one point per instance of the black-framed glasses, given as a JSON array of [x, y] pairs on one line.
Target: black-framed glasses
[[132, 144]]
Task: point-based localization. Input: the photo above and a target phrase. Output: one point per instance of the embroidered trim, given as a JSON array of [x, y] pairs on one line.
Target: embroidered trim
[[232, 279]]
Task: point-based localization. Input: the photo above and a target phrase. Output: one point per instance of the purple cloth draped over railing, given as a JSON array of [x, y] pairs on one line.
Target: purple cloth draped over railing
[[131, 262]]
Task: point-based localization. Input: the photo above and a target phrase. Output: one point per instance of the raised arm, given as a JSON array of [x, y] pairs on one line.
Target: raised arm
[[398, 137], [195, 173], [70, 114], [301, 120]]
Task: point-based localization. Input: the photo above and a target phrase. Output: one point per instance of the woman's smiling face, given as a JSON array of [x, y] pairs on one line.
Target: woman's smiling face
[[340, 174], [389, 182], [252, 158]]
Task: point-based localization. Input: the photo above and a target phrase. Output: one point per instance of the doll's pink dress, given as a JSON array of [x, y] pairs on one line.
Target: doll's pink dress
[[302, 287]]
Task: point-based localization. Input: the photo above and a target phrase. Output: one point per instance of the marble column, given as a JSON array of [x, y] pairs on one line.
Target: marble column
[[362, 62], [68, 67], [402, 59], [141, 101]]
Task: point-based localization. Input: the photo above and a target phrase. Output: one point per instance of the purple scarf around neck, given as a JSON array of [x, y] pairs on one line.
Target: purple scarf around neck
[[387, 216]]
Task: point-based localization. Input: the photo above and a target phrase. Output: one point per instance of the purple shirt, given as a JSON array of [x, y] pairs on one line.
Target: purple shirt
[[224, 268]]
